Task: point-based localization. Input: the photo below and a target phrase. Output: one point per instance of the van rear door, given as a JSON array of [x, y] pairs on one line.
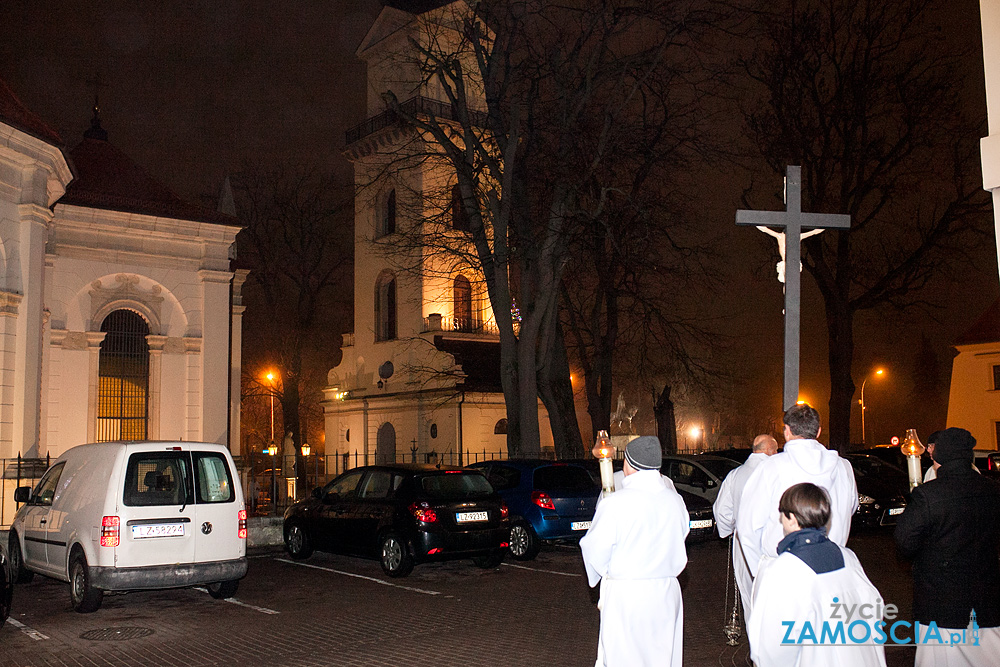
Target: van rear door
[[157, 509], [218, 505]]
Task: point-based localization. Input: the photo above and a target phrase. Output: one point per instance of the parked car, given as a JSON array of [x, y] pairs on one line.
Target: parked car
[[991, 465], [894, 456], [883, 491], [6, 587], [118, 516], [700, 474], [402, 514], [548, 501], [701, 518], [738, 454]]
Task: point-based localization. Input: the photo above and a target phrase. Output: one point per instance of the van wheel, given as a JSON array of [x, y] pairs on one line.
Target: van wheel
[[394, 556], [222, 590], [84, 597], [18, 572], [297, 541]]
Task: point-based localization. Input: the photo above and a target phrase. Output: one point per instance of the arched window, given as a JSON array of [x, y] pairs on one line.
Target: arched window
[[385, 444], [501, 427], [123, 378], [462, 304], [385, 307], [459, 220], [387, 220]]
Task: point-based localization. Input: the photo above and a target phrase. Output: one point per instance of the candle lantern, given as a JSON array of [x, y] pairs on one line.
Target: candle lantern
[[912, 448], [605, 452]]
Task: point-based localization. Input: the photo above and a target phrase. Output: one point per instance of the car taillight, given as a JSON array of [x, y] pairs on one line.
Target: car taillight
[[423, 512], [504, 511], [109, 531], [542, 499], [242, 531]]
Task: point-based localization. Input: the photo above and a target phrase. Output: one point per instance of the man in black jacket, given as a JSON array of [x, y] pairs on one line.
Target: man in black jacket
[[951, 530]]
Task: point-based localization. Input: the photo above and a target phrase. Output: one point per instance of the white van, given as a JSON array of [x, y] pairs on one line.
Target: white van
[[120, 516]]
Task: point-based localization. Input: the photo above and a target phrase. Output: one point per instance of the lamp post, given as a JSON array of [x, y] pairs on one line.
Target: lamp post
[[270, 379], [878, 373]]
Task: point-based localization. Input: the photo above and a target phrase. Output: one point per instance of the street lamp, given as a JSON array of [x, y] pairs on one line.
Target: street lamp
[[270, 379], [878, 373]]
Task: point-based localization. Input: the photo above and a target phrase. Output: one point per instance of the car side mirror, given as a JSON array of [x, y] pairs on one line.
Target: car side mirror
[[22, 494], [317, 492]]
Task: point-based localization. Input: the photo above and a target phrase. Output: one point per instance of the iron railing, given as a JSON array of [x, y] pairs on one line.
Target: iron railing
[[414, 106]]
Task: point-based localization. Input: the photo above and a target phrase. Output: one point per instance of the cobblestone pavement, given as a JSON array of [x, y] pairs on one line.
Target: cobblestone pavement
[[333, 610]]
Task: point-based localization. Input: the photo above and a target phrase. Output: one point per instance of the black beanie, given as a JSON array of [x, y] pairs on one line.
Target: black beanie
[[954, 444]]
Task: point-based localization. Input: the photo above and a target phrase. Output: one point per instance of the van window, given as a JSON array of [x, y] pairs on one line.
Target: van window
[[158, 478], [212, 478], [45, 492]]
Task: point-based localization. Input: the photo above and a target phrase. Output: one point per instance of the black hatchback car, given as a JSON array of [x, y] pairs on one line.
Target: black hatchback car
[[402, 514]]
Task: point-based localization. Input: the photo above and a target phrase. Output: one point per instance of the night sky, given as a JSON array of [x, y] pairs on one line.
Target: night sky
[[194, 89]]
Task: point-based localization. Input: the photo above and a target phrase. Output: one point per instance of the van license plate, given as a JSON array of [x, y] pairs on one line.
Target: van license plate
[[158, 530], [465, 517]]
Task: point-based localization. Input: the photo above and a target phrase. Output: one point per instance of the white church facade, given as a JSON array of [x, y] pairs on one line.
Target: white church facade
[[120, 315], [420, 378]]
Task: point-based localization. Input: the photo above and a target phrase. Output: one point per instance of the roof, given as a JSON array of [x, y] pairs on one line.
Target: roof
[[479, 359], [416, 6], [15, 114], [984, 330], [108, 179]]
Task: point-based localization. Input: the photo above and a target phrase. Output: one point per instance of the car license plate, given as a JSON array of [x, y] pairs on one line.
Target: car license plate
[[158, 530], [893, 511], [466, 517], [701, 523], [580, 525]]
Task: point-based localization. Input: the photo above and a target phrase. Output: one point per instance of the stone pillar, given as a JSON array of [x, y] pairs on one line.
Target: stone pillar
[[8, 351], [34, 221], [153, 394], [215, 355], [236, 360], [94, 340]]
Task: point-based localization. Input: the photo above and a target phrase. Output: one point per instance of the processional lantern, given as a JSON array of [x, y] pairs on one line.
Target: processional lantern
[[604, 451]]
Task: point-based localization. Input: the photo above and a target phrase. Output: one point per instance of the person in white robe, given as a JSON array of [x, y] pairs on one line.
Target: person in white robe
[[804, 460], [726, 508], [810, 584], [635, 549]]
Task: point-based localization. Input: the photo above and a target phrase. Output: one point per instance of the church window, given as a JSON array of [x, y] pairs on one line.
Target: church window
[[434, 430], [459, 218], [501, 427], [387, 220], [123, 378], [462, 304], [996, 377], [347, 436], [385, 307]]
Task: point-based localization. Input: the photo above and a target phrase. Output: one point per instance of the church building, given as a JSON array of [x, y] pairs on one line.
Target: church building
[[420, 376], [120, 317]]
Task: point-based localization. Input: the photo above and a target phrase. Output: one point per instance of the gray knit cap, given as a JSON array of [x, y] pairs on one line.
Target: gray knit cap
[[644, 453]]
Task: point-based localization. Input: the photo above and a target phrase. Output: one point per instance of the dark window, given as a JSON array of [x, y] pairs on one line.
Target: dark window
[[504, 477], [501, 427], [123, 378], [434, 430], [459, 219], [719, 467], [566, 478], [346, 486], [996, 377], [377, 484], [45, 492], [687, 473], [213, 481], [456, 485], [462, 304], [387, 221], [348, 435], [158, 478], [385, 307]]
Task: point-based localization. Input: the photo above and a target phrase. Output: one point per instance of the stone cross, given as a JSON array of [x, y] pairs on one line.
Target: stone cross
[[792, 219]]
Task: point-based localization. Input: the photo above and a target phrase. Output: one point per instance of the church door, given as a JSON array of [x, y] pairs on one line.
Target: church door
[[385, 444]]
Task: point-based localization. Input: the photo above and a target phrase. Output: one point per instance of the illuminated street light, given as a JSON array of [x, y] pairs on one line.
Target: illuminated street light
[[878, 373], [270, 379]]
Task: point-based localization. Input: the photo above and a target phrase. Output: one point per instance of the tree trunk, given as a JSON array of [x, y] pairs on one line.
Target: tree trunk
[[666, 426], [556, 391], [840, 326], [510, 384]]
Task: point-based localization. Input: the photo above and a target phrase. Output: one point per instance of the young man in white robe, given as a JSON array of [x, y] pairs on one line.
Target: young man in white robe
[[635, 549], [804, 460], [800, 596], [726, 509]]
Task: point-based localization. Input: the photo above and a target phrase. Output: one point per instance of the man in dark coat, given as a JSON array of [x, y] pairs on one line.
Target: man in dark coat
[[951, 530]]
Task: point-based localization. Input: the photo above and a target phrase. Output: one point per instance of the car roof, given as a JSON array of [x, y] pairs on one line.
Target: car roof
[[412, 467], [529, 463]]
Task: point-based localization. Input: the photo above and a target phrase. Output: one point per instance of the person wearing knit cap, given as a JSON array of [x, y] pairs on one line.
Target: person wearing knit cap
[[635, 550], [951, 531], [931, 446]]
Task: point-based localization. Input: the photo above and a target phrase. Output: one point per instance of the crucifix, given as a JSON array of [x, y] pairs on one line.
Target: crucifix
[[792, 219]]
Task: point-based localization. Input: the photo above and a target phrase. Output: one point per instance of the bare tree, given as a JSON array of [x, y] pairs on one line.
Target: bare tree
[[298, 244], [866, 97], [536, 97]]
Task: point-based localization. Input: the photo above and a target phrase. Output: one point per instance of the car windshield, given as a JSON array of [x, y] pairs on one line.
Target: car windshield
[[718, 467], [566, 478], [870, 465], [455, 485]]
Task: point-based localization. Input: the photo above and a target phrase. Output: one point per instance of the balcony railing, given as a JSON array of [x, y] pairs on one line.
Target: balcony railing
[[413, 107], [462, 325]]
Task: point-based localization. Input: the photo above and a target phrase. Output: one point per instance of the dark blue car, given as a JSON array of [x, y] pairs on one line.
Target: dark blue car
[[548, 500]]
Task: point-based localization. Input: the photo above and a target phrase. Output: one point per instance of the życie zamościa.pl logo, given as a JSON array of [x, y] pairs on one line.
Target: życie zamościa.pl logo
[[857, 624]]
